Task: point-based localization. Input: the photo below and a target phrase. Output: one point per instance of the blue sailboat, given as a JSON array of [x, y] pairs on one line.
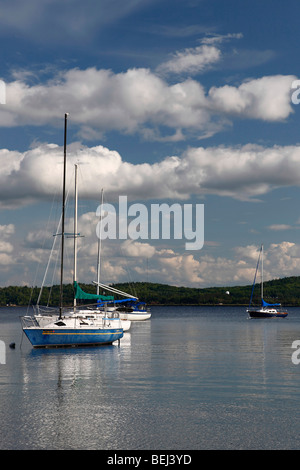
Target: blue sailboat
[[68, 328], [266, 310]]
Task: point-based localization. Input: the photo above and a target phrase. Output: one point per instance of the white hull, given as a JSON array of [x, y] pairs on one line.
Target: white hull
[[135, 316], [93, 317]]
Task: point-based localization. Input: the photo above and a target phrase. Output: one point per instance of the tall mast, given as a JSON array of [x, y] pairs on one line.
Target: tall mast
[[99, 247], [75, 230], [63, 219], [262, 271]]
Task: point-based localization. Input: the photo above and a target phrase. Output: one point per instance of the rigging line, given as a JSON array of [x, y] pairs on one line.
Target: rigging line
[[255, 277], [50, 259], [116, 291], [52, 280], [83, 208], [42, 247], [47, 267], [130, 281]]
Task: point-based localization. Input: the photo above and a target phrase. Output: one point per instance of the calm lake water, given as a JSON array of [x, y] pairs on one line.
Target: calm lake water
[[191, 378]]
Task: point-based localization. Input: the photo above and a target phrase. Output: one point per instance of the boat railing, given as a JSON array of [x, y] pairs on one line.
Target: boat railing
[[27, 321]]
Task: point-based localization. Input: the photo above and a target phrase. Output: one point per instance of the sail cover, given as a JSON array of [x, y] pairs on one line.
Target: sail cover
[[265, 304], [80, 294]]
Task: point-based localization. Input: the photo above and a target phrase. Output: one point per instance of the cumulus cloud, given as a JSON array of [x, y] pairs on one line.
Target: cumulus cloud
[[137, 249], [6, 230], [203, 270], [6, 247], [140, 260], [241, 172], [266, 98], [140, 101], [280, 259]]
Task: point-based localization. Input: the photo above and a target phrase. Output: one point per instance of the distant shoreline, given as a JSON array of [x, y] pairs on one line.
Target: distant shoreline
[[285, 291]]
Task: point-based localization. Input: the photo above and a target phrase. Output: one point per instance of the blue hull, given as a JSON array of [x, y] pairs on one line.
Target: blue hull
[[43, 337]]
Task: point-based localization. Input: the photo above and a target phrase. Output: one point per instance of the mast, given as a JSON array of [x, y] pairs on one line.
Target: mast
[[253, 285], [99, 248], [75, 231], [63, 219], [262, 272]]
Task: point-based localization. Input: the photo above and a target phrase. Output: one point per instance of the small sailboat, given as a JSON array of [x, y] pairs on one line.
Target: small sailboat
[[43, 316], [102, 301], [130, 308], [266, 310], [69, 329]]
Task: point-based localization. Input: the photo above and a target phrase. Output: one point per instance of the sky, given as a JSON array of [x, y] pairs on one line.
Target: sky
[[188, 102]]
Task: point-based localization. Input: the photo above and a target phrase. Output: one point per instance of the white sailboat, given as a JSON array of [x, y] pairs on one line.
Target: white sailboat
[[69, 329], [83, 313], [104, 309], [129, 309]]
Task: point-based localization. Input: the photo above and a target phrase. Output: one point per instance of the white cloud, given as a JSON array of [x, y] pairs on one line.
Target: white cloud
[[197, 59], [219, 38], [192, 60], [266, 98], [240, 172], [137, 249], [6, 231], [135, 260], [6, 260], [204, 270], [6, 247], [278, 227], [139, 101]]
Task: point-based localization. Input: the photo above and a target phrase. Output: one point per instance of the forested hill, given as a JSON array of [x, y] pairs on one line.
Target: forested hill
[[285, 291]]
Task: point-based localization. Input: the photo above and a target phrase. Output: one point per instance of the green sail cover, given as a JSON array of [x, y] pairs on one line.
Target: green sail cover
[[80, 294]]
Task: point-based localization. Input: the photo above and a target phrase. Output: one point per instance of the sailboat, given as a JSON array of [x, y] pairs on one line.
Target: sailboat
[[89, 312], [102, 301], [130, 308], [68, 329], [266, 310]]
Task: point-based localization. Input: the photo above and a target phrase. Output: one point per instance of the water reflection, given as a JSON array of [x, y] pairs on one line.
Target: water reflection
[[68, 392], [198, 379]]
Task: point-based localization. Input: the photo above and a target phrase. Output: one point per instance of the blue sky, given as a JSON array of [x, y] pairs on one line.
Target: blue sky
[[176, 101]]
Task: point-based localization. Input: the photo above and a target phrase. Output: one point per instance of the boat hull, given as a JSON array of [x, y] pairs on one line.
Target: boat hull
[[135, 316], [57, 337], [266, 314], [44, 320]]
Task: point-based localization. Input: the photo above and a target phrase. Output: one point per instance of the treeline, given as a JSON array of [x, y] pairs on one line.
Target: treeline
[[285, 291]]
